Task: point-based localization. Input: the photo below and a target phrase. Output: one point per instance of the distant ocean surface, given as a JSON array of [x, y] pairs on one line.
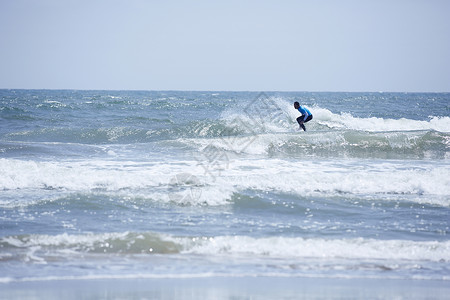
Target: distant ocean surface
[[172, 184]]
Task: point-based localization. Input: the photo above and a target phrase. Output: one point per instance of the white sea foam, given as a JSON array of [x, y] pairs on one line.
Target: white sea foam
[[82, 176], [217, 183], [272, 247], [127, 276], [325, 117], [82, 241], [373, 124], [286, 247]]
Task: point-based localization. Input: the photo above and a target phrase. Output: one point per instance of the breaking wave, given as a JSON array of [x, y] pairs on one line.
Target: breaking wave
[[282, 247], [159, 181]]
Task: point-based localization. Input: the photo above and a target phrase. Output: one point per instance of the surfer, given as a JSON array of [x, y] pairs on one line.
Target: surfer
[[305, 117]]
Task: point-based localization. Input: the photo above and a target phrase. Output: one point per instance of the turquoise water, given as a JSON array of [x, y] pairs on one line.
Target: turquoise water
[[140, 184]]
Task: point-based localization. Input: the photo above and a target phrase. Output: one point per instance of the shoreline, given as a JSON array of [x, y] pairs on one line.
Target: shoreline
[[227, 288]]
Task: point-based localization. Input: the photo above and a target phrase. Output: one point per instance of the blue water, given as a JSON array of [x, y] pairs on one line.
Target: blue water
[[141, 184]]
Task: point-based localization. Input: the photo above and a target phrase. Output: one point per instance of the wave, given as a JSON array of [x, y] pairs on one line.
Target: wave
[[328, 135], [278, 115], [324, 143], [263, 128], [130, 243], [344, 121], [329, 144], [104, 135], [38, 246], [196, 182], [158, 255], [161, 129], [297, 247], [271, 115]]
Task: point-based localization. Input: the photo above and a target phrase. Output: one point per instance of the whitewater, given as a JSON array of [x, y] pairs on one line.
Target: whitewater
[[173, 184]]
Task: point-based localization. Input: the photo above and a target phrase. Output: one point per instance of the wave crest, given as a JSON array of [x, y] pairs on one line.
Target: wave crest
[[283, 247]]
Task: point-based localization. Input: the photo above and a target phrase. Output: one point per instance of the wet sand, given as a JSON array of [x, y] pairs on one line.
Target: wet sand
[[227, 288]]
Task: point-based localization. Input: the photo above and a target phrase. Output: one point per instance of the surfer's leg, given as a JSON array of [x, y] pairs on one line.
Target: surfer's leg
[[300, 122]]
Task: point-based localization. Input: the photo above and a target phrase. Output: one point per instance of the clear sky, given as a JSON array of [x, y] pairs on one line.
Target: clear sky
[[322, 45]]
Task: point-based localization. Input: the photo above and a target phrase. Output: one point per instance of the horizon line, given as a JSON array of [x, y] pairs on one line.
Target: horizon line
[[229, 91]]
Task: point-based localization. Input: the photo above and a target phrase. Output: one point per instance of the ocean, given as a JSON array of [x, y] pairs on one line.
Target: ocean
[[180, 185]]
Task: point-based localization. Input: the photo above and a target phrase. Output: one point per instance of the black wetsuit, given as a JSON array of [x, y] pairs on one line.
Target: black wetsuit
[[305, 117]]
